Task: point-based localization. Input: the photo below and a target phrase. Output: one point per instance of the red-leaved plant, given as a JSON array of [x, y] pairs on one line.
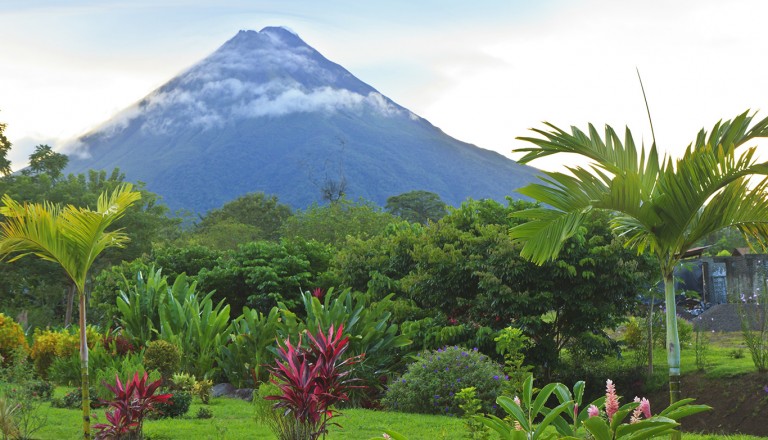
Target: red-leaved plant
[[311, 380], [132, 402]]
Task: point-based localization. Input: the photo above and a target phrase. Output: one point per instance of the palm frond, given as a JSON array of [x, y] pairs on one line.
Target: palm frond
[[72, 237]]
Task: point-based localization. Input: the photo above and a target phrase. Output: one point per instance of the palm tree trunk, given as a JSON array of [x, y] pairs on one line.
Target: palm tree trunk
[[70, 301], [84, 370], [673, 343]]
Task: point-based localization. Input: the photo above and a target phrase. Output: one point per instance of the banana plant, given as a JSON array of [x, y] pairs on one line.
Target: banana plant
[[139, 306], [248, 347], [197, 327]]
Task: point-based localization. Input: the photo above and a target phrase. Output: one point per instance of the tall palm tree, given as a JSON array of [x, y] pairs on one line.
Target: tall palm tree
[[662, 207], [71, 237]]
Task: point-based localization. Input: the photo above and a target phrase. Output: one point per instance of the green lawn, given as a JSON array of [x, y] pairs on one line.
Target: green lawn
[[233, 419]]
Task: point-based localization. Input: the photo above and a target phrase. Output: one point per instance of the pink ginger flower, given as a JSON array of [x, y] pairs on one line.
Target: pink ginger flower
[[575, 411], [611, 399], [636, 413], [593, 411], [518, 426], [645, 406], [517, 401], [644, 409]]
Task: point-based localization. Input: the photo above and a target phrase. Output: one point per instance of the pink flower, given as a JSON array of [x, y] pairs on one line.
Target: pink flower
[[645, 406], [611, 399], [575, 411], [319, 294], [593, 411], [518, 426], [517, 401], [636, 413]]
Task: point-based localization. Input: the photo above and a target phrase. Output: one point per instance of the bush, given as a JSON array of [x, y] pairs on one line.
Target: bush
[[163, 357], [589, 345], [204, 413], [429, 384], [39, 389], [11, 338], [634, 334], [65, 371], [177, 405], [74, 399], [49, 345]]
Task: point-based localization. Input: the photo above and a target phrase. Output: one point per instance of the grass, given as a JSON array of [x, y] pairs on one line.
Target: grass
[[234, 419]]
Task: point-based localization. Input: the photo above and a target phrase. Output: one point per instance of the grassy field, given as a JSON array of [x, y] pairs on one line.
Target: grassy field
[[234, 419]]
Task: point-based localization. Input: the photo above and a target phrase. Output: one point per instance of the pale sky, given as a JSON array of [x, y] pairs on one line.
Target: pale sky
[[483, 71]]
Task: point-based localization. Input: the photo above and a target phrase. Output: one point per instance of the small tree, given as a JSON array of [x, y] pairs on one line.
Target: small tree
[[71, 237], [660, 206]]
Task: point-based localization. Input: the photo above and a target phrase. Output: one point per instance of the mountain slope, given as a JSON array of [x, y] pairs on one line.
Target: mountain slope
[[266, 112]]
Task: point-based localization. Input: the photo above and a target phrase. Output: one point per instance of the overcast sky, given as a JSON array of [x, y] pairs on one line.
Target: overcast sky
[[482, 71]]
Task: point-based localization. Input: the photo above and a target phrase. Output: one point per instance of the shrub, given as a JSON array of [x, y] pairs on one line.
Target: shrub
[[132, 402], [163, 357], [49, 345], [106, 373], [634, 334], [176, 406], [202, 389], [65, 371], [118, 345], [11, 338], [312, 382], [74, 399], [182, 382], [39, 389], [204, 413], [430, 383]]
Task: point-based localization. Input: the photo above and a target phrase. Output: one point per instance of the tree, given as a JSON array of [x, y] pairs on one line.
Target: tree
[[72, 238], [662, 207], [262, 216], [333, 223], [146, 222], [417, 206], [45, 160], [5, 147]]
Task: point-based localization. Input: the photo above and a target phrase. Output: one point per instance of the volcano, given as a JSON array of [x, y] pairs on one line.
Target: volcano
[[267, 112]]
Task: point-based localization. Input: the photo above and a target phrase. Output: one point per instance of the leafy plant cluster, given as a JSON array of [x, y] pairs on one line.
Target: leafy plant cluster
[[312, 380], [430, 384]]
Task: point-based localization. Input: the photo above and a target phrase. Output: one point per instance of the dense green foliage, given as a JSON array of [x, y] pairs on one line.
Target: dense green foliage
[[430, 383], [466, 270], [334, 222], [417, 206]]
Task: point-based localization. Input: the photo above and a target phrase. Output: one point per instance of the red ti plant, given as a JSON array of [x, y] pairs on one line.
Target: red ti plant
[[132, 402], [312, 380]]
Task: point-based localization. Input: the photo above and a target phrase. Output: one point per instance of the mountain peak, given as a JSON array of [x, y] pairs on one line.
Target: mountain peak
[[267, 112], [277, 36]]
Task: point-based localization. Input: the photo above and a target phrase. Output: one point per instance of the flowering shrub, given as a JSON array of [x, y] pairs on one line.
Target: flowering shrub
[[11, 337], [430, 384], [530, 417]]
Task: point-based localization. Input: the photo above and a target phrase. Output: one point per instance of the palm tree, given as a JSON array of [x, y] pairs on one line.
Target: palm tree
[[662, 207], [71, 237]]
